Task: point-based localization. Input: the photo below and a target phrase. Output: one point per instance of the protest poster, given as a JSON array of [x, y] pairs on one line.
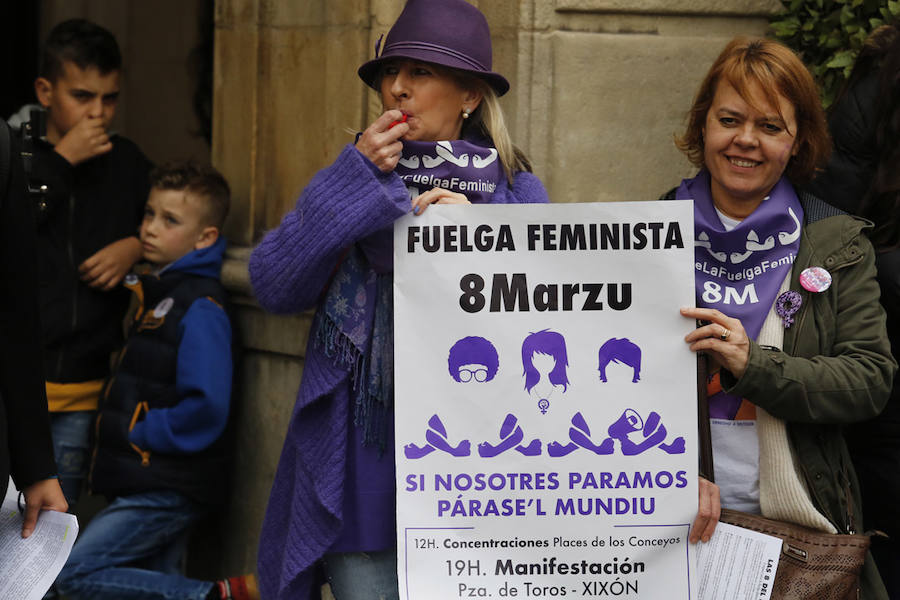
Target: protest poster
[[545, 401]]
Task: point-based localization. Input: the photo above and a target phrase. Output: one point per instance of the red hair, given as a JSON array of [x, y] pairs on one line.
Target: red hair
[[775, 68]]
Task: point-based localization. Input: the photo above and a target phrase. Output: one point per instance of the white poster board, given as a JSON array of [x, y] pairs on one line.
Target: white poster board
[[546, 418]]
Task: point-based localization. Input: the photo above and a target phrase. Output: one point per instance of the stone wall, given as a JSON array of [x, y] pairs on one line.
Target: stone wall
[[599, 89]]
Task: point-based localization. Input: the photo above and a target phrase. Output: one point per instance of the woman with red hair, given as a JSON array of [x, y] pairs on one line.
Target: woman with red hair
[[787, 300]]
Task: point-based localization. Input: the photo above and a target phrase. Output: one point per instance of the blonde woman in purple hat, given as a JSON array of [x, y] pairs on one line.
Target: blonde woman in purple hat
[[332, 501]]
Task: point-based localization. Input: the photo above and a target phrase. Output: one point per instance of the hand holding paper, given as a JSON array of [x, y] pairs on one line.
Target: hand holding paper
[[42, 495]]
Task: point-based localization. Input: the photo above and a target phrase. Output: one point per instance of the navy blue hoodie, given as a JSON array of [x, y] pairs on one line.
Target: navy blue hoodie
[[166, 405]]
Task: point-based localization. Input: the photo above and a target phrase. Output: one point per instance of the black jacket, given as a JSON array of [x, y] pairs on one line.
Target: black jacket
[[87, 207], [25, 447], [847, 178], [875, 444]]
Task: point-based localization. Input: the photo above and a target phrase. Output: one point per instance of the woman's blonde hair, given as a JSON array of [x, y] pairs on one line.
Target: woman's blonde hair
[[487, 121]]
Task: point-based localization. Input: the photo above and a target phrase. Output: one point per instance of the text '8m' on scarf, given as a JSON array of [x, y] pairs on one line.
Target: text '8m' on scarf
[[740, 271]]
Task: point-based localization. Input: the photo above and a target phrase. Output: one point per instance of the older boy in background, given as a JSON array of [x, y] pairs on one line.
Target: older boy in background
[[86, 223]]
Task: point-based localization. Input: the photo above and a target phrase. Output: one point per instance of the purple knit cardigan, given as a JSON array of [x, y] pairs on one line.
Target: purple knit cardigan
[[342, 204]]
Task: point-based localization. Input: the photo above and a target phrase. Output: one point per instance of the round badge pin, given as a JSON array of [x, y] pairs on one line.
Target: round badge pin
[[163, 308], [815, 279]]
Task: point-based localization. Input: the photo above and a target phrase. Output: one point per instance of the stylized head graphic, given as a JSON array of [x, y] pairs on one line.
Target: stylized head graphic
[[473, 358], [552, 344]]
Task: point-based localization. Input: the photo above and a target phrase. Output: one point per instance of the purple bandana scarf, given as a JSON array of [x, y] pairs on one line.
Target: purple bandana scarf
[[458, 166], [739, 272]]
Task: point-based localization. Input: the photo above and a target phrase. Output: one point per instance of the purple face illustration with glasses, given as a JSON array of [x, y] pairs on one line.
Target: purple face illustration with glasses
[[473, 359]]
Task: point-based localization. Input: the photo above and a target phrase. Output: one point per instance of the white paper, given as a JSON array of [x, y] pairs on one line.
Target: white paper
[[737, 564], [28, 567], [528, 488]]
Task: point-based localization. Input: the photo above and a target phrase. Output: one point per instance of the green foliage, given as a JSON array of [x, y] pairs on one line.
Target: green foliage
[[829, 33]]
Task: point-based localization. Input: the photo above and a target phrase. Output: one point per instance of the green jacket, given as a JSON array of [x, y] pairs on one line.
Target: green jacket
[[835, 368]]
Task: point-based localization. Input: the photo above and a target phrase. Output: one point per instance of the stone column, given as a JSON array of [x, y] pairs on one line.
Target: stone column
[[286, 100]]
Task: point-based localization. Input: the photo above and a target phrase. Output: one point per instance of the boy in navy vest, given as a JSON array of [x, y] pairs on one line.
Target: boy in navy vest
[[161, 456]]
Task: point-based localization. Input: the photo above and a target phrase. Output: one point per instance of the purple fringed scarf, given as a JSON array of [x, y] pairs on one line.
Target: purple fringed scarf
[[739, 272], [354, 329], [355, 325]]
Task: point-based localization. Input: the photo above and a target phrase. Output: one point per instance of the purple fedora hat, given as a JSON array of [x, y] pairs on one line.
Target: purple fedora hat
[[452, 33]]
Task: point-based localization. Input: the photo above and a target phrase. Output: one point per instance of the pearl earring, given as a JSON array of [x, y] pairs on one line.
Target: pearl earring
[[466, 112]]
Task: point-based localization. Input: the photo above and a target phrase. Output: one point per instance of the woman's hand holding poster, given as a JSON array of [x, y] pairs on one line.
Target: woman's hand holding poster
[[546, 414]]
